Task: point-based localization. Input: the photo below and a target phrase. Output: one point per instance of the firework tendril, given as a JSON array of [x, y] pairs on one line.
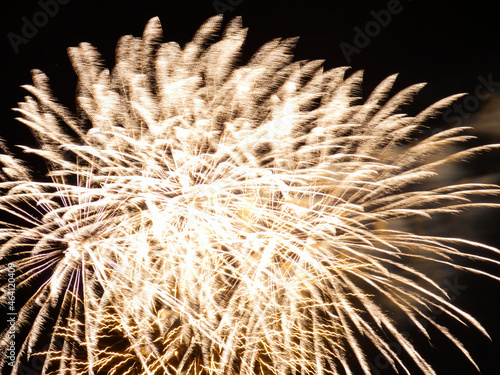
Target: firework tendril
[[203, 215]]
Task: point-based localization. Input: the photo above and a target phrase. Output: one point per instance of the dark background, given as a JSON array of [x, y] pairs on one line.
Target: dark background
[[451, 45]]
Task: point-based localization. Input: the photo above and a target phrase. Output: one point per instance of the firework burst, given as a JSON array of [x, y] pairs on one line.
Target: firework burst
[[204, 215]]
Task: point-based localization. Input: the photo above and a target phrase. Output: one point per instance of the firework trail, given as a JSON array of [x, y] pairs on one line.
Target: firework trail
[[202, 215]]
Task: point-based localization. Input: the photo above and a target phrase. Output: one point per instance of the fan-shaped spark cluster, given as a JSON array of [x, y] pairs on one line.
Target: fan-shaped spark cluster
[[204, 215]]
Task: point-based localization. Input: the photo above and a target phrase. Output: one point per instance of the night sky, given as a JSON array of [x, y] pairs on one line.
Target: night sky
[[453, 47]]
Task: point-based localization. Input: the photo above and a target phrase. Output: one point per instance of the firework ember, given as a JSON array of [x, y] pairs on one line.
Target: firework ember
[[202, 215]]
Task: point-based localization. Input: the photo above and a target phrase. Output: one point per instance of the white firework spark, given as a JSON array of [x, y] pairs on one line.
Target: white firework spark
[[206, 216]]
